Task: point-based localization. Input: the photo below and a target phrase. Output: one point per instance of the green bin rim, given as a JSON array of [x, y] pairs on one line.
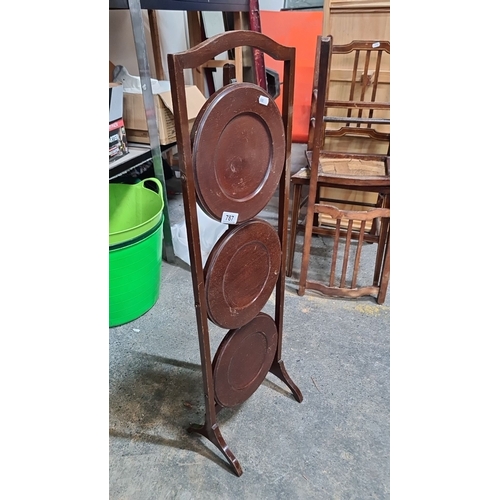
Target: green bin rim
[[130, 233], [138, 239]]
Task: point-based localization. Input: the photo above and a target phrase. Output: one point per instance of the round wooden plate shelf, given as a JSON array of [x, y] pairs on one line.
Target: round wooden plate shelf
[[238, 151], [243, 360], [241, 273]]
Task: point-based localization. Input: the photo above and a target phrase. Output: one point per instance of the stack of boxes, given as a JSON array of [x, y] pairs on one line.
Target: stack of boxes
[[135, 117], [117, 137], [126, 109]]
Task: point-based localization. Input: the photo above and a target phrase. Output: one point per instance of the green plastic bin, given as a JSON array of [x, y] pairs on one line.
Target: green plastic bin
[[135, 249], [134, 276], [134, 209]]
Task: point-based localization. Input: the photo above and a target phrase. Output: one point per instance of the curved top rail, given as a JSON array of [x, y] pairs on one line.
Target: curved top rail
[[217, 44], [337, 213], [362, 45], [357, 131]]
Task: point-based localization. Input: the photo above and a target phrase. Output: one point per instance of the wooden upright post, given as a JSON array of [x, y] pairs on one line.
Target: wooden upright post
[[155, 40], [195, 37]]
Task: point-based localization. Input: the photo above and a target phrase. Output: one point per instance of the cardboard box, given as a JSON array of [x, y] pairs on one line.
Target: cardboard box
[[115, 102], [111, 69], [134, 115], [118, 146]]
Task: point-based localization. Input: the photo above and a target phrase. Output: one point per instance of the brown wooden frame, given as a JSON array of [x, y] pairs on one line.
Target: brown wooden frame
[[177, 63]]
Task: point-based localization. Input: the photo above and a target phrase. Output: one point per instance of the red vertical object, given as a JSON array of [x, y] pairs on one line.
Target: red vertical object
[[297, 29], [258, 56]]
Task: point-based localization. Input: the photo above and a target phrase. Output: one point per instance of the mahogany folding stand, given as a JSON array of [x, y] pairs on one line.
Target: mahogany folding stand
[[233, 161]]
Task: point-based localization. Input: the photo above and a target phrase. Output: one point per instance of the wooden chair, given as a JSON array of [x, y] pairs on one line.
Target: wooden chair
[[348, 164]]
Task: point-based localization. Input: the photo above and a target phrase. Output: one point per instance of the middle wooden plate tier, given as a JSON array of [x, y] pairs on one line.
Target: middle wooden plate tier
[[239, 153], [241, 272]]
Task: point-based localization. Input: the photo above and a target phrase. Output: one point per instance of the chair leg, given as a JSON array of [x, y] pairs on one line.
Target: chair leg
[[384, 281], [382, 270], [381, 203], [297, 193], [381, 248], [306, 251]]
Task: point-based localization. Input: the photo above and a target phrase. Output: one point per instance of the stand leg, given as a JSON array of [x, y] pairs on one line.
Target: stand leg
[[278, 369], [214, 435], [297, 190]]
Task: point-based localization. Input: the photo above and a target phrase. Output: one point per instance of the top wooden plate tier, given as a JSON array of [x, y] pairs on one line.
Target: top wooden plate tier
[[238, 151]]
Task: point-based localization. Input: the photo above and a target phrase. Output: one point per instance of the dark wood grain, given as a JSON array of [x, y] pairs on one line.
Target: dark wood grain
[[243, 360], [241, 273], [238, 151]]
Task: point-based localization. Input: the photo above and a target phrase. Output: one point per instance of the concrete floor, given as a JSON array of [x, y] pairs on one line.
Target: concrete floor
[[333, 445]]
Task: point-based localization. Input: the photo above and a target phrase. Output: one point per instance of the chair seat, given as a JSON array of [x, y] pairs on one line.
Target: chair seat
[[353, 169], [350, 167], [354, 172]]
